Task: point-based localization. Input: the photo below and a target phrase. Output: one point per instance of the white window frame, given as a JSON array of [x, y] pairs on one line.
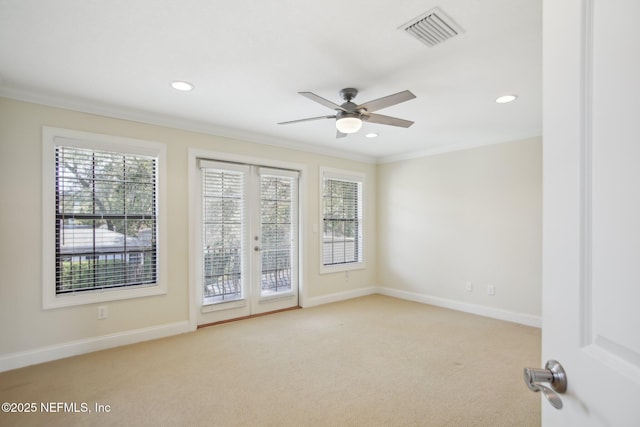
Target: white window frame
[[338, 174], [51, 137]]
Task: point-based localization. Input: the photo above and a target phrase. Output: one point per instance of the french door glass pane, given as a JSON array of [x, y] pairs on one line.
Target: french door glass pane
[[278, 214], [223, 231]]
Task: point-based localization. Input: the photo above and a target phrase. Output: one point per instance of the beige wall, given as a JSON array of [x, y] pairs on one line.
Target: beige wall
[[25, 326], [432, 224], [472, 215]]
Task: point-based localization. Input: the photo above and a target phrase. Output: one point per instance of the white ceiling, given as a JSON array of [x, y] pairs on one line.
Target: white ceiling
[[249, 58]]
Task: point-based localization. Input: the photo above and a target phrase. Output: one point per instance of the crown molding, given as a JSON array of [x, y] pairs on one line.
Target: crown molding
[[119, 112], [441, 149]]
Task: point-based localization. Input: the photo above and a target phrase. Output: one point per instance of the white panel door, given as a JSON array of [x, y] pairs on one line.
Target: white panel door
[[591, 261]]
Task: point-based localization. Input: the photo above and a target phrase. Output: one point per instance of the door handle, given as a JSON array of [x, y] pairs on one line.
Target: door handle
[[554, 375], [256, 248]]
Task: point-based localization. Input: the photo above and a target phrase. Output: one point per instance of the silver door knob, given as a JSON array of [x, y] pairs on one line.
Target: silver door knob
[[554, 375]]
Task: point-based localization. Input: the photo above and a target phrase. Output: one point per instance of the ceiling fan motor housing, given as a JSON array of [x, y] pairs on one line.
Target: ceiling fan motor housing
[[344, 114]]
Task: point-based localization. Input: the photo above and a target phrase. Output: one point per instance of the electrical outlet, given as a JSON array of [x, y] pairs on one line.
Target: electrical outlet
[[103, 312], [469, 287], [491, 290]]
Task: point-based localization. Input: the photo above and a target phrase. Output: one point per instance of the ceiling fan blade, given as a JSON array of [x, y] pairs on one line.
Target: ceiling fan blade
[[387, 101], [307, 120], [386, 120], [340, 134], [321, 100]]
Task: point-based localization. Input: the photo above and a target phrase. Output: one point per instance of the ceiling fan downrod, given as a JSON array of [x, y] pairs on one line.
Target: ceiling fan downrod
[[348, 93]]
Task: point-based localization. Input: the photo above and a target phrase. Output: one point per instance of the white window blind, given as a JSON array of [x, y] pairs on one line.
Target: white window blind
[[223, 231], [342, 220], [106, 219], [279, 230]]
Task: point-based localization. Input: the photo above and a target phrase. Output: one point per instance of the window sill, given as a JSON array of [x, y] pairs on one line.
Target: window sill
[[98, 296], [328, 269], [102, 295]]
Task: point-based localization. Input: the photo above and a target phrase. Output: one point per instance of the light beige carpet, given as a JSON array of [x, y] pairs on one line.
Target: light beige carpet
[[372, 361]]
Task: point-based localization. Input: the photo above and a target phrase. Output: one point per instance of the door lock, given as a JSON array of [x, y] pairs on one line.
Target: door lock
[[554, 375]]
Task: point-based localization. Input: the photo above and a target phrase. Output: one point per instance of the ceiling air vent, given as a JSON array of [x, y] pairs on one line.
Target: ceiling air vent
[[432, 28]]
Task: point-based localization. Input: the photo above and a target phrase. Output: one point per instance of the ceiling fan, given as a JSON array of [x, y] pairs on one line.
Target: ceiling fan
[[349, 116]]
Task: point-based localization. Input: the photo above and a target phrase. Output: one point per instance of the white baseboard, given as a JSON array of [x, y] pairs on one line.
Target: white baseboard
[[339, 296], [74, 348], [481, 310], [31, 357]]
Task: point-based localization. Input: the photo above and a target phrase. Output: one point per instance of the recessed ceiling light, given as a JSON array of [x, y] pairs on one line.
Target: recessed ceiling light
[[181, 85], [506, 98], [371, 135]]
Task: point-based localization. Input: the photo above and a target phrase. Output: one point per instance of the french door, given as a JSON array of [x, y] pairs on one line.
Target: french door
[[248, 260]]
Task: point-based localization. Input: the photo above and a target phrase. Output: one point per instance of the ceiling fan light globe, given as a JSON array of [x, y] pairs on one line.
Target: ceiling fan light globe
[[349, 124]]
